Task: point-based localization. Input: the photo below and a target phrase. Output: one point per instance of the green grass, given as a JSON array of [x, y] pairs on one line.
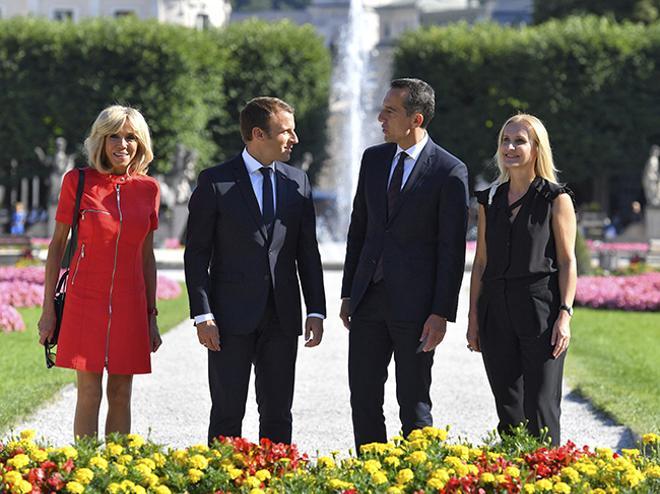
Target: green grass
[[614, 360], [25, 383]]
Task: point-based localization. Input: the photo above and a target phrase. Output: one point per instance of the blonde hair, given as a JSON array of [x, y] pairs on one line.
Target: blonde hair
[[544, 165], [109, 122]]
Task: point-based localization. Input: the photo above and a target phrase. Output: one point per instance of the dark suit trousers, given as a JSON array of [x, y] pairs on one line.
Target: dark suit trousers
[[525, 379], [273, 353], [373, 338]]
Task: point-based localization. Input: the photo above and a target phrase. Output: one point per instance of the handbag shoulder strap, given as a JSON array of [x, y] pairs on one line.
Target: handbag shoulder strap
[[73, 241]]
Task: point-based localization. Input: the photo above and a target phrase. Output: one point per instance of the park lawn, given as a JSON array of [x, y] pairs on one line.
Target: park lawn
[[614, 360], [26, 383]]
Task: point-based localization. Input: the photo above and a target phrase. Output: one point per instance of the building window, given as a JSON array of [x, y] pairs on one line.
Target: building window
[[63, 14], [202, 22], [124, 13]]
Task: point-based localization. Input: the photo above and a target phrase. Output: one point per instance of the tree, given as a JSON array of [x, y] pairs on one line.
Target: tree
[[645, 11]]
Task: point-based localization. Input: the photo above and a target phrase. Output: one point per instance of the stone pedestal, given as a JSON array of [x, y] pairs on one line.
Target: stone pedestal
[[653, 234]]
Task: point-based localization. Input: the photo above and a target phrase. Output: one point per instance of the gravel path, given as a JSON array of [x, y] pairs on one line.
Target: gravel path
[[171, 405]]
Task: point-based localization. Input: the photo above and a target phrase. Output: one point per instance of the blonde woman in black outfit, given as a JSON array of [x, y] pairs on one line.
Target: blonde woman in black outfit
[[523, 280]]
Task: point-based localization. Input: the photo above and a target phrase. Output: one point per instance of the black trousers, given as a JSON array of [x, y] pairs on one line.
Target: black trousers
[[515, 329], [273, 353], [373, 338]]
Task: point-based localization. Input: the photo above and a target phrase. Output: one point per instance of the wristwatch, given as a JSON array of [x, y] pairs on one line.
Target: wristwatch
[[567, 308]]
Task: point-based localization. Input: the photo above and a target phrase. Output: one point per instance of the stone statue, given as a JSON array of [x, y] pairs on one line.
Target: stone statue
[[181, 179], [58, 165], [651, 178]]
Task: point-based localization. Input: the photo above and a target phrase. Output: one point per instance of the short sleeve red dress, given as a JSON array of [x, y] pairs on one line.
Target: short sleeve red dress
[[105, 322]]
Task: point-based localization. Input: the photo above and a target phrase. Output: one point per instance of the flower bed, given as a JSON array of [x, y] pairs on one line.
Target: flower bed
[[422, 464], [639, 292], [24, 287], [631, 247]]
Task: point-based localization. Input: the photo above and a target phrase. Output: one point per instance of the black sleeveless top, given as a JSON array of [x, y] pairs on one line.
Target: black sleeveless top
[[524, 248]]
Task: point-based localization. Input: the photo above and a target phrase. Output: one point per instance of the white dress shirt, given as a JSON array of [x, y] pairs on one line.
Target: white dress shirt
[[257, 180], [413, 153]]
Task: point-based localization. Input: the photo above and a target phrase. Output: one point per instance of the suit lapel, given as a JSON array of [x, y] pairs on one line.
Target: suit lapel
[[419, 170], [245, 186]]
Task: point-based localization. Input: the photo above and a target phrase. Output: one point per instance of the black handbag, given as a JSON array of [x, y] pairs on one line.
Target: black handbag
[[60, 290]]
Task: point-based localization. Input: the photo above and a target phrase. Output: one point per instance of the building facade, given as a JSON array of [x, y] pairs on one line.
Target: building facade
[[191, 13]]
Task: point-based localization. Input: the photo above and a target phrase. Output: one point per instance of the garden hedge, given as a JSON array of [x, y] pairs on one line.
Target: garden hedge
[[55, 77]]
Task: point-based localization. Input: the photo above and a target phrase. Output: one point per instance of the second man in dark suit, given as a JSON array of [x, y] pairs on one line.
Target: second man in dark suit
[[251, 235], [404, 262]]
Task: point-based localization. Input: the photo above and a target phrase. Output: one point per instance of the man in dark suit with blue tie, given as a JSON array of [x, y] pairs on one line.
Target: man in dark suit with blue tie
[[404, 264], [251, 235]]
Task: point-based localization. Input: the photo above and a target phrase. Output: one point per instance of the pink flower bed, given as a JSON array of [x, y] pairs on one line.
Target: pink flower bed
[[639, 292], [10, 319], [598, 246], [21, 293], [24, 287]]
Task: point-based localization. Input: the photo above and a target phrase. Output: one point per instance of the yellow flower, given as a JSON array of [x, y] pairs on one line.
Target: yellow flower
[[417, 457], [476, 453], [83, 475], [605, 453], [339, 484], [415, 435], [28, 435], [143, 469], [152, 480], [326, 462], [371, 466], [199, 462], [653, 471], [404, 476], [69, 452], [195, 475], [500, 478], [125, 459], [435, 433], [162, 489], [120, 468], [253, 482], [256, 491], [529, 489], [114, 449], [262, 475], [233, 472], [378, 448], [487, 478], [148, 462], [138, 489], [135, 440], [435, 483], [632, 453], [571, 474], [561, 488], [394, 490], [441, 474], [38, 455], [19, 461], [472, 469], [379, 478], [463, 452], [543, 485], [13, 477], [392, 461], [75, 487], [513, 472], [22, 487], [650, 438], [633, 477], [159, 459], [114, 488], [452, 461]]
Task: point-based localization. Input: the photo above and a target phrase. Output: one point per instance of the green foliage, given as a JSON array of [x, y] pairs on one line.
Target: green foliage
[[274, 59], [26, 383], [635, 10], [592, 81], [613, 361], [56, 77]]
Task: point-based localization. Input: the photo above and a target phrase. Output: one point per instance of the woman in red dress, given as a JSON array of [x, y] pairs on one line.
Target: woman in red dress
[[109, 319]]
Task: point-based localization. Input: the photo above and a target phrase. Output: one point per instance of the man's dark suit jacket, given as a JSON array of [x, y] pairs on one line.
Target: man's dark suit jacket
[[229, 262], [423, 240]]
